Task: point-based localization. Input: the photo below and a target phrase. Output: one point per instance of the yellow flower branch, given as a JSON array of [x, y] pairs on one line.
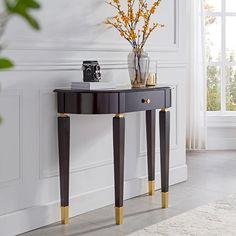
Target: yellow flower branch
[[127, 22]]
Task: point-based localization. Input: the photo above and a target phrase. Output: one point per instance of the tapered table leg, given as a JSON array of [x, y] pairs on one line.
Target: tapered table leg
[[150, 129], [119, 148], [164, 151], [64, 157]]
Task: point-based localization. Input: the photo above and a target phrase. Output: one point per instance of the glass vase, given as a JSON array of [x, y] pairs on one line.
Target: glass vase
[[138, 65]]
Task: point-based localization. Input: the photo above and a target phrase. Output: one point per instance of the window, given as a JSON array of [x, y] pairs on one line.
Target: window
[[220, 23]]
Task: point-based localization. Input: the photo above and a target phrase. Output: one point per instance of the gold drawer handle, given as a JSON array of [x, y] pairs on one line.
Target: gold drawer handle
[[146, 101]]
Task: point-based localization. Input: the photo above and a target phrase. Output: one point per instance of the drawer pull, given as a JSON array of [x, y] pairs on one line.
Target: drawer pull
[[146, 101]]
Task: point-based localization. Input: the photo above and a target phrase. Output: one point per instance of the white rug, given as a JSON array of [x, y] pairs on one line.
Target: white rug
[[218, 219]]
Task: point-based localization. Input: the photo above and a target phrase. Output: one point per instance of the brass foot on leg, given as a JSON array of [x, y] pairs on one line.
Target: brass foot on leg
[[151, 187], [65, 215], [165, 199], [119, 215]]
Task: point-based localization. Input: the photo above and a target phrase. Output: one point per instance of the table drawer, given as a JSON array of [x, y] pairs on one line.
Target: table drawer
[[140, 101]]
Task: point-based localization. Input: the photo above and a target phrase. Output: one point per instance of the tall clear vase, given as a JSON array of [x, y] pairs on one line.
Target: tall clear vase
[[138, 65]]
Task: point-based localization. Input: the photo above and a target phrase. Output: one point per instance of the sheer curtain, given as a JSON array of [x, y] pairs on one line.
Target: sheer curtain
[[196, 127]]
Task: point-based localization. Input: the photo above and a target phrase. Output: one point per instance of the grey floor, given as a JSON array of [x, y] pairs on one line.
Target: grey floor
[[212, 176]]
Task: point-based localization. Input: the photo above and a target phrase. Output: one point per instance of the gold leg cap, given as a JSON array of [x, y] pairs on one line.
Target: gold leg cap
[[165, 199], [65, 215], [119, 116], [119, 215], [151, 188]]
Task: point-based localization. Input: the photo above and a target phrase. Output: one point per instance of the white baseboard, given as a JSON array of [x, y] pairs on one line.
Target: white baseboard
[[221, 144], [42, 215], [221, 137]]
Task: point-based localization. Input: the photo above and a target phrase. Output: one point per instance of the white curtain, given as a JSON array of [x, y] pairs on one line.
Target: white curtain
[[196, 125]]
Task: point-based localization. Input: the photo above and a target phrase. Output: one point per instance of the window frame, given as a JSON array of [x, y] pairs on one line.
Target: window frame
[[222, 63]]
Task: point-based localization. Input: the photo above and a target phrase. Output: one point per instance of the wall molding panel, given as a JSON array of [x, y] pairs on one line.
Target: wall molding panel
[[48, 92], [6, 100], [34, 43], [45, 152]]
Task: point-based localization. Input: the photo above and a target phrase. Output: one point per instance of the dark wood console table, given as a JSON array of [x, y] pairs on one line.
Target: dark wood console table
[[116, 102]]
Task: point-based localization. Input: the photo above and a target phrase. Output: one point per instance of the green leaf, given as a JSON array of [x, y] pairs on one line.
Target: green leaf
[[21, 8], [30, 19], [5, 63], [29, 3]]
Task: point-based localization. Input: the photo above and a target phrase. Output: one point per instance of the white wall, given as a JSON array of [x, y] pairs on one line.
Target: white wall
[[221, 132], [71, 32]]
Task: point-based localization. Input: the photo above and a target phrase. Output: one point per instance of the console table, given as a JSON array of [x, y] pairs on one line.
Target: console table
[[116, 102]]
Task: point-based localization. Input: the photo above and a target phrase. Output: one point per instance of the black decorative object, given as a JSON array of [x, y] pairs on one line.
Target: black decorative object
[[91, 71]]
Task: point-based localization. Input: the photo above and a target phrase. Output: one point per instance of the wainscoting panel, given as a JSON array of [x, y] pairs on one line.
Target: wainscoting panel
[[11, 138], [91, 33], [84, 142], [48, 151]]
